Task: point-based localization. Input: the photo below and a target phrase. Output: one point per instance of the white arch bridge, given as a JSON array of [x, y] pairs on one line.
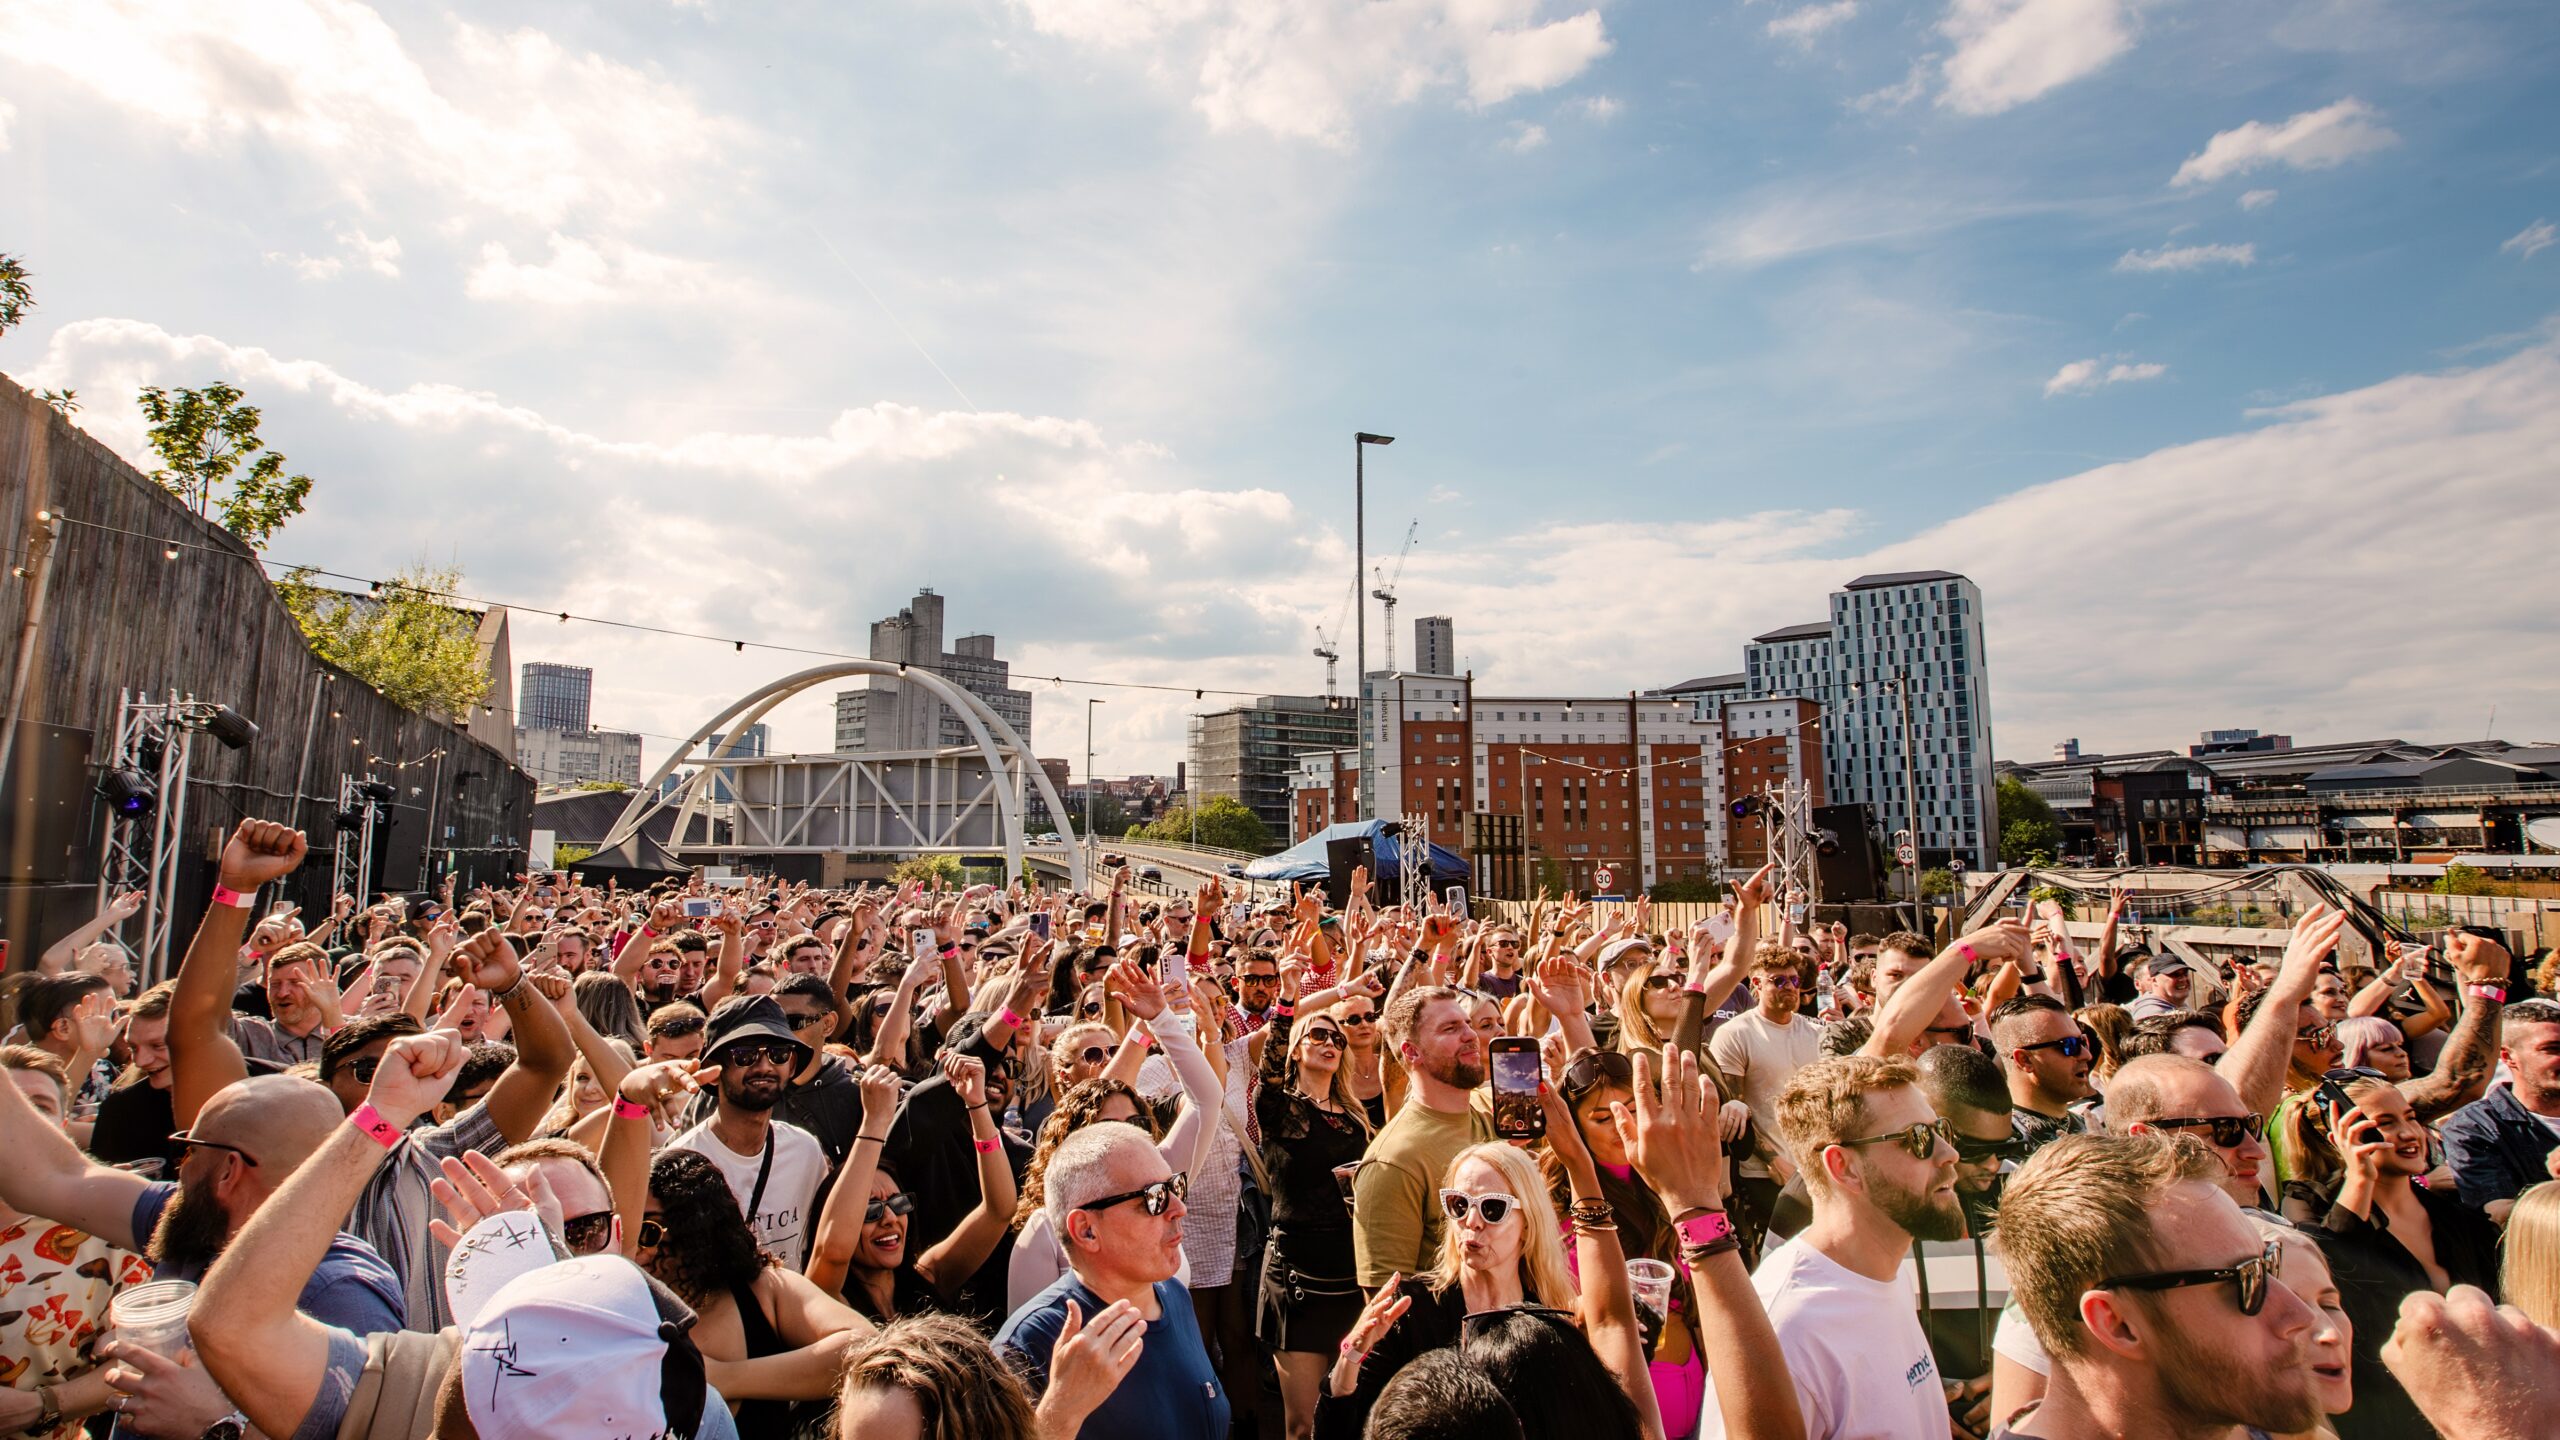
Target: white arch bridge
[[965, 799]]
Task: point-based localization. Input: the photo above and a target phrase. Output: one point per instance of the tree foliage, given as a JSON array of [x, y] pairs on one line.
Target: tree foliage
[[205, 437], [406, 641], [928, 868], [1225, 823], [16, 297], [2461, 879], [2029, 833], [1937, 882]]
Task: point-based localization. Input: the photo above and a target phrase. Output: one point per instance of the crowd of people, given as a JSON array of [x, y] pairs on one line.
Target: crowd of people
[[760, 1160]]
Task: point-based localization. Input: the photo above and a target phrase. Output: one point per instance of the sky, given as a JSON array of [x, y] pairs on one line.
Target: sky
[[2220, 344]]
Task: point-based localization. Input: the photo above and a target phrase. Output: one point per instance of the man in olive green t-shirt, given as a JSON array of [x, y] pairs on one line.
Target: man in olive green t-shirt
[[1395, 1207]]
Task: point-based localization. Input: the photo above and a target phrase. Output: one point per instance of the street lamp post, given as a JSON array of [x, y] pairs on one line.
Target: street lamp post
[[1359, 602], [1089, 781]]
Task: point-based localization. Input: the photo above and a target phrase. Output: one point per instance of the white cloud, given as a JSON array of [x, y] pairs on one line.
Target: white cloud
[[1525, 137], [1305, 69], [1157, 575], [2319, 139], [508, 123], [2532, 240], [1785, 220], [1893, 97], [1599, 109], [2257, 199], [2082, 377], [589, 272], [2009, 52], [1808, 24], [382, 257], [2186, 257]]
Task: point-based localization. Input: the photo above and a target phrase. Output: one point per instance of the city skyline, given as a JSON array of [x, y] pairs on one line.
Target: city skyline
[[702, 318]]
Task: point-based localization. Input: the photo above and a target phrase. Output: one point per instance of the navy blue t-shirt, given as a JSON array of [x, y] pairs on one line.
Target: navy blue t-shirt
[[351, 1288], [1170, 1394]]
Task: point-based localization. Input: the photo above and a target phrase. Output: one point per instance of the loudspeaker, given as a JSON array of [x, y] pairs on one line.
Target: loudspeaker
[[1852, 873], [1341, 857], [58, 799]]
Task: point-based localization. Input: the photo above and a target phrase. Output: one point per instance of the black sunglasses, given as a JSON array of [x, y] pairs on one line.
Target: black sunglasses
[[1664, 982], [2228, 1130], [2252, 1276], [586, 1234], [364, 1067], [1090, 1007], [896, 1203], [2072, 1047], [1918, 1140], [1783, 980], [1094, 1055], [1365, 1018], [1155, 1199], [1592, 1069], [186, 1141], [2007, 1147], [1321, 1035], [748, 1052]]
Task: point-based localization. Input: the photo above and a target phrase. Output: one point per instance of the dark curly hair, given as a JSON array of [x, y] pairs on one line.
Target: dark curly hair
[[706, 1249], [1079, 1107]]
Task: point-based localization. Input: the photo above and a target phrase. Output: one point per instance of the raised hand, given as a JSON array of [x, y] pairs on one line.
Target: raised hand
[[881, 1091], [1088, 1363], [664, 1086], [1560, 985], [1376, 1318], [260, 851], [473, 1188], [2477, 959], [968, 1076], [2315, 937], [488, 960], [1138, 991], [1757, 889], [1670, 1131], [414, 1075]]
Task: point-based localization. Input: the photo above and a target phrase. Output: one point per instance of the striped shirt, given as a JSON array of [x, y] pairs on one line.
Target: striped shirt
[[393, 1212]]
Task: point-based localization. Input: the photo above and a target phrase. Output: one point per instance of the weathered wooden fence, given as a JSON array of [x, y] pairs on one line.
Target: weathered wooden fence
[[120, 614]]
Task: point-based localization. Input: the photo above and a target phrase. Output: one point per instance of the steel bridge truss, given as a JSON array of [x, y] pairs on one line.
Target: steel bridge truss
[[962, 800]]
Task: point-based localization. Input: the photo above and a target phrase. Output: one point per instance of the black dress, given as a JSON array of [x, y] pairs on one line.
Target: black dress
[[1310, 1295], [2374, 1272]]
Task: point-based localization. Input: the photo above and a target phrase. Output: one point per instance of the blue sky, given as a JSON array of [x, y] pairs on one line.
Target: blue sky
[[2214, 340]]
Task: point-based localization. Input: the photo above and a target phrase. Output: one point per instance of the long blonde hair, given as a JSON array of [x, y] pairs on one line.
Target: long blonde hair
[[2530, 1273], [1340, 1092], [1544, 1276], [1635, 1028]]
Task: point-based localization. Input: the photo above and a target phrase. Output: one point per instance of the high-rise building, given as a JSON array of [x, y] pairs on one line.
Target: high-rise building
[[754, 740], [575, 757], [555, 697], [1914, 636], [1435, 645], [892, 713], [1249, 752]]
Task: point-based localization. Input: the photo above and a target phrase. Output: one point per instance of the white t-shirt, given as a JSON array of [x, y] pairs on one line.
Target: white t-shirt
[[1760, 1056], [785, 1220], [1854, 1347]]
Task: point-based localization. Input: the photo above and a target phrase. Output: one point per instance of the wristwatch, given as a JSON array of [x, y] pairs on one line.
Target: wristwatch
[[230, 1427]]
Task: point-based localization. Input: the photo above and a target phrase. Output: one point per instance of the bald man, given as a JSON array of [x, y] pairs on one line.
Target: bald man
[[249, 1137], [2176, 1095]]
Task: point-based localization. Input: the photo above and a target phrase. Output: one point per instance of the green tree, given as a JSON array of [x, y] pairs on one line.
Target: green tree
[[613, 785], [204, 437], [1697, 891], [2029, 834], [928, 868], [16, 298], [2461, 879], [406, 642], [1937, 881], [1224, 823], [1108, 817]]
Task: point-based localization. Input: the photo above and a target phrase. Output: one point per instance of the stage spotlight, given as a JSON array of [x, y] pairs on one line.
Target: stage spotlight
[[131, 795], [235, 730]]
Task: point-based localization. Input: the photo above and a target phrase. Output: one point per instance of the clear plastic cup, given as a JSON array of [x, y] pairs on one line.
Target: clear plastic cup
[[1344, 1176], [1651, 1280], [153, 1316]]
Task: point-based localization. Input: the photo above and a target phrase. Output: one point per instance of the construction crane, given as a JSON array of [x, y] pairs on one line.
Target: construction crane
[[1386, 591], [1330, 656]]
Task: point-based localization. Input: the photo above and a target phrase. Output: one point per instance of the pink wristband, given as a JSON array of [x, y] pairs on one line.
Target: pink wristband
[[1967, 952], [630, 1109], [1009, 1017], [225, 895], [984, 1145], [2497, 993], [370, 1121]]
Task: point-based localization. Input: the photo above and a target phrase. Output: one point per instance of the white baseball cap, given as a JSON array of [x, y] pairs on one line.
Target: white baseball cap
[[567, 1351]]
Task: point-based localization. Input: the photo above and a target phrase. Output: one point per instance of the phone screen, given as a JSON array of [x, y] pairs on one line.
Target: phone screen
[[1040, 923], [1516, 1111]]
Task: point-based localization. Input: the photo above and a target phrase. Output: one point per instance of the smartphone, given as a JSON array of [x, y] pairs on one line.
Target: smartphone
[[700, 907], [1517, 1115], [921, 943], [1457, 898], [1040, 923]]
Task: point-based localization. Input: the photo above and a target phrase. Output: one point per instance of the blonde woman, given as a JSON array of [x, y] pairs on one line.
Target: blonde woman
[[1501, 1251], [2530, 1273], [1312, 1127], [1648, 1008]]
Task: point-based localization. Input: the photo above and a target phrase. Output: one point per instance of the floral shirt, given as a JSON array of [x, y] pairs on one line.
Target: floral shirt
[[55, 1283]]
